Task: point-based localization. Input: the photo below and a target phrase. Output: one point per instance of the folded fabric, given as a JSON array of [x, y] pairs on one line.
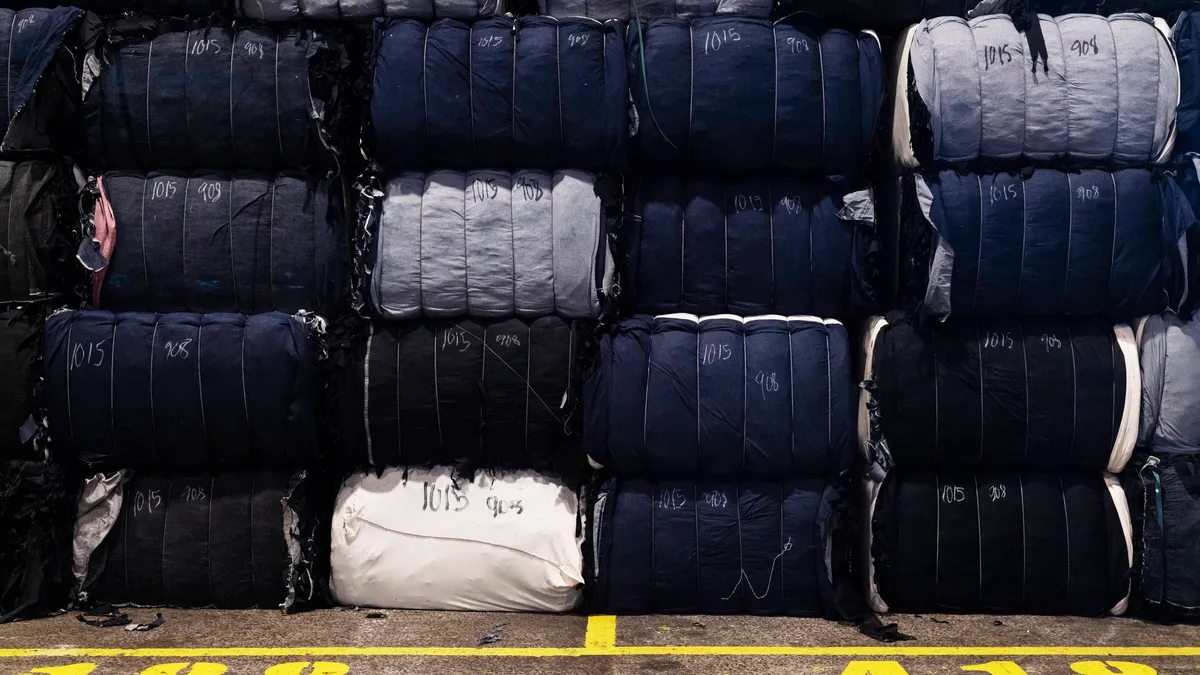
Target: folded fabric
[[723, 396], [733, 94], [175, 392], [1046, 242], [755, 245], [534, 92], [209, 241], [427, 539], [1105, 91], [1046, 394], [489, 244], [251, 97], [709, 546], [1001, 542], [475, 393]]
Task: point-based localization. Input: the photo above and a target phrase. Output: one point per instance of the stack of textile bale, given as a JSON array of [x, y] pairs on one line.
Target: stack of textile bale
[[189, 386], [485, 263], [721, 405], [40, 94], [1033, 228]]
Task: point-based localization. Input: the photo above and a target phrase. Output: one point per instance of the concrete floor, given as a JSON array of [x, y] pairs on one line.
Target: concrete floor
[[210, 642]]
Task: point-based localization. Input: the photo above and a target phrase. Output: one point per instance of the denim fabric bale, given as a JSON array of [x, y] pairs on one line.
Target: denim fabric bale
[[37, 510], [1170, 360], [1186, 35], [733, 95], [1047, 394], [489, 244], [1167, 504], [1052, 243], [533, 92], [38, 97], [624, 10], [34, 195], [750, 246], [198, 540], [211, 97], [20, 371], [1002, 542], [166, 8], [712, 546], [210, 241], [1109, 96], [465, 392], [177, 392], [291, 10], [721, 395]]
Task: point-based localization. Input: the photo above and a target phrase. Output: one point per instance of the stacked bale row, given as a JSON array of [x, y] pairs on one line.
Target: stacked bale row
[[1033, 227]]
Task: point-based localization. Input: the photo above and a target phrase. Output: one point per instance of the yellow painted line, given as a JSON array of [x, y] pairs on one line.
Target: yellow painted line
[[601, 631], [542, 652]]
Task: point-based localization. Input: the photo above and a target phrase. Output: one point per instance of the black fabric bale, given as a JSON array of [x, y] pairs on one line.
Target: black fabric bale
[[36, 511], [40, 88], [1166, 507], [196, 541], [1038, 393], [211, 241], [479, 393], [20, 370], [181, 391], [36, 257], [1001, 542], [251, 97]]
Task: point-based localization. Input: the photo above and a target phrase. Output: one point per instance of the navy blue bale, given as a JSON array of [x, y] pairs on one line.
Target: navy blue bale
[[739, 94], [40, 86], [768, 396], [181, 391], [535, 92], [713, 547]]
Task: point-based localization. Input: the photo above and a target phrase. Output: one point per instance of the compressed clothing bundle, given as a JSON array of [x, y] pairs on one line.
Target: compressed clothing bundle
[[1039, 393], [1105, 93], [210, 241], [723, 396], [624, 10], [193, 540], [1002, 542], [36, 515], [489, 244], [427, 539], [1166, 503], [713, 546], [485, 394], [176, 392], [1186, 37], [252, 97], [34, 194], [534, 92], [1048, 242], [40, 85], [1170, 359], [166, 8], [757, 95], [758, 245], [20, 351], [333, 10]]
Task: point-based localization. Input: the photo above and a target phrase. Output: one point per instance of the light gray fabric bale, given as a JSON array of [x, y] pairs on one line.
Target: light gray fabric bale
[[489, 244], [1107, 91], [1170, 358]]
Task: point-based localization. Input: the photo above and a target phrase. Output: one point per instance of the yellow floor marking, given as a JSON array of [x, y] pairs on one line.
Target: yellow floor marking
[[541, 652], [601, 631]]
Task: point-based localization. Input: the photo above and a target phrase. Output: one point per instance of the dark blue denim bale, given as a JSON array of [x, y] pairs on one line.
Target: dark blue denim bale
[[1187, 50], [30, 39], [177, 392], [534, 92], [210, 241], [738, 94], [1166, 503], [211, 97], [1085, 243], [713, 546], [757, 245], [768, 397]]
